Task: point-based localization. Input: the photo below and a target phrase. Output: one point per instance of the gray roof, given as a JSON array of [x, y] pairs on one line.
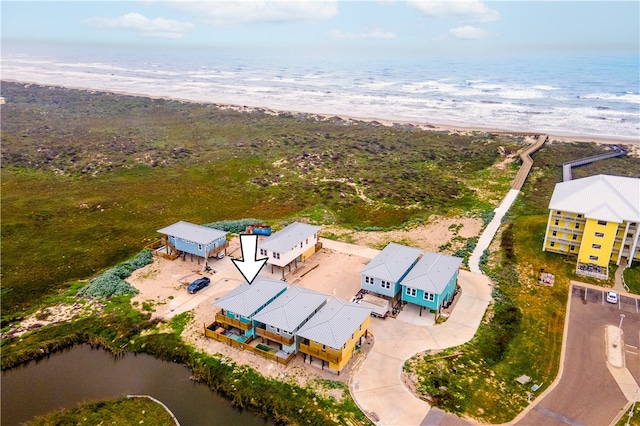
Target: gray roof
[[192, 232], [246, 299], [291, 308], [334, 323], [392, 262], [432, 273], [601, 197], [289, 237]]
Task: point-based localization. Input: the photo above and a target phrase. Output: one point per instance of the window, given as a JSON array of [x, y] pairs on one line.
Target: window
[[558, 212], [599, 234], [352, 337], [199, 247], [592, 257], [386, 284], [574, 237], [411, 292], [306, 241], [579, 216], [300, 244], [552, 244], [602, 222], [572, 248], [368, 280], [577, 226], [554, 233], [324, 347], [263, 252], [360, 327], [596, 246], [276, 255], [429, 296], [557, 222]]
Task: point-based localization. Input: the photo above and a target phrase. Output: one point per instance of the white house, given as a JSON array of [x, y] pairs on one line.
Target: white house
[[296, 242]]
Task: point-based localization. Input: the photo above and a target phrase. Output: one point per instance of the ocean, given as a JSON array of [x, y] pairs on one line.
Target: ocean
[[564, 95]]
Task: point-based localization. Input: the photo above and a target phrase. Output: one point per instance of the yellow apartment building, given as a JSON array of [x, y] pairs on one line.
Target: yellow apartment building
[[596, 219]]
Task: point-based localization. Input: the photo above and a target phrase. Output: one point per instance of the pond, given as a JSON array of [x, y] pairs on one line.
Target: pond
[[84, 374]]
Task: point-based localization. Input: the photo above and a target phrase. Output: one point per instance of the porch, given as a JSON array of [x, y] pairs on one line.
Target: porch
[[222, 318], [276, 338]]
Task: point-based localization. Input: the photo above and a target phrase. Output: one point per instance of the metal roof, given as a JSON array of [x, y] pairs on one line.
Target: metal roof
[[246, 299], [601, 197], [392, 262], [192, 232], [334, 323], [432, 273], [289, 237], [291, 308]]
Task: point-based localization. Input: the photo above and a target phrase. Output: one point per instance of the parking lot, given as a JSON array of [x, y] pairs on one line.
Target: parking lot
[[587, 393]]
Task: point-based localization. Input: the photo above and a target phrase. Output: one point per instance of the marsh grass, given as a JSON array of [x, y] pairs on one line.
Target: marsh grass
[[119, 411]]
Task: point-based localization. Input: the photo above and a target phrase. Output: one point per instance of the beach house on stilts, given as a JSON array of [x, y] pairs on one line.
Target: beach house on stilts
[[184, 239], [295, 243]]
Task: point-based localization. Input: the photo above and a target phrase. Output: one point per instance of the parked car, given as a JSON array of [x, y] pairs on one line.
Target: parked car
[[198, 284], [612, 296]]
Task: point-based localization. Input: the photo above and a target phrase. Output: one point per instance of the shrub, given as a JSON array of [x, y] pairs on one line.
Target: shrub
[[112, 283], [234, 226]]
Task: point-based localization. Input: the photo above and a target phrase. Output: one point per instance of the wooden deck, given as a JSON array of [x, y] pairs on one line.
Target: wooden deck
[[527, 162]]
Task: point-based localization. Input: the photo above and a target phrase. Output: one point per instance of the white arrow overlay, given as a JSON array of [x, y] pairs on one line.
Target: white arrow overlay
[[249, 266]]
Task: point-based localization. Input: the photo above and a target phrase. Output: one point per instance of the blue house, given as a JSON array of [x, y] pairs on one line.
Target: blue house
[[432, 281], [241, 304], [385, 272], [184, 238]]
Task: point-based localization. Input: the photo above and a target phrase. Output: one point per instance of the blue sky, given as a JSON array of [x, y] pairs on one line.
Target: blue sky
[[450, 26]]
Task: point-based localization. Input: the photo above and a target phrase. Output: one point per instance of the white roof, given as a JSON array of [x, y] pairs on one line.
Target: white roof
[[291, 308], [432, 273], [289, 237], [192, 232], [247, 299], [334, 323], [601, 197], [392, 262]]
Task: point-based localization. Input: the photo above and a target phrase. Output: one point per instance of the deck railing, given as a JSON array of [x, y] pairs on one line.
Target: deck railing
[[330, 355], [262, 332], [211, 333], [223, 319]]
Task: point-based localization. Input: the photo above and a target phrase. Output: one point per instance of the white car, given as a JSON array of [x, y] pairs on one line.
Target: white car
[[612, 296]]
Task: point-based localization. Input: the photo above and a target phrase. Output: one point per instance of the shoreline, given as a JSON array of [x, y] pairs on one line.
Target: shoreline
[[427, 125]]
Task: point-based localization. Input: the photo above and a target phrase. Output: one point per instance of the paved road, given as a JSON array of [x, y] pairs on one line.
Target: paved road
[[377, 385], [587, 393]]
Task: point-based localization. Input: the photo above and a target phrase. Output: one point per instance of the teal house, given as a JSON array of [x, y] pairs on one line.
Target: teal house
[[432, 281], [383, 275], [240, 305]]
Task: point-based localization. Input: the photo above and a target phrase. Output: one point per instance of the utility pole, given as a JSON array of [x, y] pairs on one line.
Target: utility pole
[[620, 329]]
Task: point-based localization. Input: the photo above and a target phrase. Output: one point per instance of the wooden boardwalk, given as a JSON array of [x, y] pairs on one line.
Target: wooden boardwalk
[[527, 162]]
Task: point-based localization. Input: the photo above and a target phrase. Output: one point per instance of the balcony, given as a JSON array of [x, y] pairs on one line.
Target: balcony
[[329, 355], [262, 332], [223, 319], [215, 251]]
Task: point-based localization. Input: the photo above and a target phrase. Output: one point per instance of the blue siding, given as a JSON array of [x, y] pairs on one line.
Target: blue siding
[[376, 287], [195, 248], [439, 299]]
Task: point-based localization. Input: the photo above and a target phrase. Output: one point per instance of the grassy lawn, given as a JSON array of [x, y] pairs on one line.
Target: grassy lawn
[[124, 411], [632, 277]]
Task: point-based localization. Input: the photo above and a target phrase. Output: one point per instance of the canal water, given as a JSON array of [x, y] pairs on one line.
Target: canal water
[[83, 374]]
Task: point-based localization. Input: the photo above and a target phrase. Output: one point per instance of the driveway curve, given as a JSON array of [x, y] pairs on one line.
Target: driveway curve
[[377, 385]]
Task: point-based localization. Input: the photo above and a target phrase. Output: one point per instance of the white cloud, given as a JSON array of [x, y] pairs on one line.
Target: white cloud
[[152, 28], [229, 12], [469, 10], [467, 33], [376, 34]]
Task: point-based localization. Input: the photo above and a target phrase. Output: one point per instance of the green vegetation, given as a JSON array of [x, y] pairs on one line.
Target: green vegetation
[[112, 283], [123, 411], [87, 178], [478, 378], [632, 278]]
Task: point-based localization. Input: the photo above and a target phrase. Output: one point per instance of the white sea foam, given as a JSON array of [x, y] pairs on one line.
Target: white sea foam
[[461, 93]]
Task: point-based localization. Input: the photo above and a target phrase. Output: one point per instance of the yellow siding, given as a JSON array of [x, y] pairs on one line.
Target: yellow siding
[[347, 351], [307, 254], [589, 251]]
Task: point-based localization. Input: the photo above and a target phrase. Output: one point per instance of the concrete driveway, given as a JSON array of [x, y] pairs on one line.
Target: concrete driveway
[[377, 385]]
